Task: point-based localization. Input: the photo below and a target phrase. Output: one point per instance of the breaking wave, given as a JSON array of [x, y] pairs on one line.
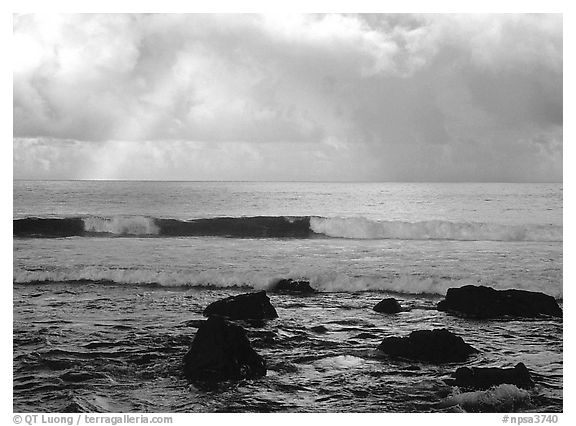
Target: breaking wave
[[321, 281], [281, 227], [362, 228], [501, 398], [239, 227]]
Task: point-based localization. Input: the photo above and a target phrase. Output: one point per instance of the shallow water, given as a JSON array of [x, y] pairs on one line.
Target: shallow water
[[331, 264], [106, 347]]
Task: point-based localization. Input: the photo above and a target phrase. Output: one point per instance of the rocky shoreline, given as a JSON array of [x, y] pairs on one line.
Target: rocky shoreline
[[221, 349]]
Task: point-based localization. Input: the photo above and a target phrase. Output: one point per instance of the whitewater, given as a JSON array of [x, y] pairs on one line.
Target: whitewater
[[283, 227], [118, 272]]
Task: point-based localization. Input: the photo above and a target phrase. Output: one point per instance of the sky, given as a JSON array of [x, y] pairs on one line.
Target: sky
[[375, 97]]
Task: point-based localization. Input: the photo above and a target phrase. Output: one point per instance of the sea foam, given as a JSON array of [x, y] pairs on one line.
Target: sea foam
[[321, 281], [502, 398], [121, 225], [301, 227], [362, 228]]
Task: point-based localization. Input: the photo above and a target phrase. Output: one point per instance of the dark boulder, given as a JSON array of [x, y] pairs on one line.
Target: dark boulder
[[80, 376], [484, 378], [249, 306], [436, 346], [289, 286], [486, 302], [194, 323], [388, 306], [221, 351]]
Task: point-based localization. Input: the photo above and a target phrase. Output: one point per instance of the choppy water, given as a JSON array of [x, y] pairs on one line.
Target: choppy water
[[102, 318]]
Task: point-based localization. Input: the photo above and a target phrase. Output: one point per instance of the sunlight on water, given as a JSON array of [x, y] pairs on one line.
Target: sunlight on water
[[106, 302]]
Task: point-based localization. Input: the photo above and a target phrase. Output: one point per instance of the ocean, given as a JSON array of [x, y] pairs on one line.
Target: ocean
[[110, 279]]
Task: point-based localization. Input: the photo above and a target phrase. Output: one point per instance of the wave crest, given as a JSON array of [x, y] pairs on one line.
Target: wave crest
[[362, 228], [322, 281], [121, 225], [283, 227], [501, 398]]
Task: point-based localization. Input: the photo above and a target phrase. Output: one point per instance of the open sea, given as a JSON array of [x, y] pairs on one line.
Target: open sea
[[110, 279]]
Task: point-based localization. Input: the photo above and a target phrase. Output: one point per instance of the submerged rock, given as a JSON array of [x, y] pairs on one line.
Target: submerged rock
[[221, 351], [436, 346], [79, 376], [388, 306], [486, 302], [320, 329], [484, 378], [290, 286], [249, 306], [74, 407]]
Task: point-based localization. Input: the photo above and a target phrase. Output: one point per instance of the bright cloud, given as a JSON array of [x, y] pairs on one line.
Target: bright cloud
[[305, 97]]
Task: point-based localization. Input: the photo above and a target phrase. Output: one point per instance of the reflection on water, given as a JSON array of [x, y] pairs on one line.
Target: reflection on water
[[119, 348]]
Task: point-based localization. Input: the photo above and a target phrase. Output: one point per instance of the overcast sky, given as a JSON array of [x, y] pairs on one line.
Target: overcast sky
[[310, 97]]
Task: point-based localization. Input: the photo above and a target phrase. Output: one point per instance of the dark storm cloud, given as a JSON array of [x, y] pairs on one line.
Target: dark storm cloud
[[341, 97]]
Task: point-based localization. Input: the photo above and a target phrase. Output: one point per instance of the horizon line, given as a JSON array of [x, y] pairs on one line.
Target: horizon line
[[279, 181]]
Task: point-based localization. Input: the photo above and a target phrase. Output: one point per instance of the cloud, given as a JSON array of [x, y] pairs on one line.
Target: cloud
[[329, 97]]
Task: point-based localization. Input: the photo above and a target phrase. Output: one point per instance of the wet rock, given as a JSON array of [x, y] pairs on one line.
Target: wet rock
[[74, 407], [484, 378], [436, 346], [194, 323], [254, 323], [221, 351], [486, 302], [365, 335], [388, 306], [289, 286], [79, 376], [249, 306]]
